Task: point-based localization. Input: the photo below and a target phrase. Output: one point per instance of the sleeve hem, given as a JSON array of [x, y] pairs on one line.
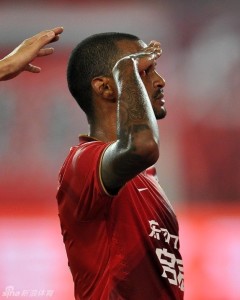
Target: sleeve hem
[[100, 176]]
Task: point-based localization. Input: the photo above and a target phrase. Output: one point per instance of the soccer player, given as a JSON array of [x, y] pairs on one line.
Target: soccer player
[[119, 229], [21, 57]]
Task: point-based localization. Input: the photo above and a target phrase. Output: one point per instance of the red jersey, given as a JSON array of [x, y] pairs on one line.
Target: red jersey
[[122, 247]]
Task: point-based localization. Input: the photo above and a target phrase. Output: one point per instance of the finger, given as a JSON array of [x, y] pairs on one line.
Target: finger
[[46, 36], [57, 30], [49, 37], [156, 50], [154, 43], [33, 69], [56, 38], [153, 52], [45, 51], [155, 47]]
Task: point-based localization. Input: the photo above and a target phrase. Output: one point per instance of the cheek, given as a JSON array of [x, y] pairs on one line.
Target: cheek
[[148, 85]]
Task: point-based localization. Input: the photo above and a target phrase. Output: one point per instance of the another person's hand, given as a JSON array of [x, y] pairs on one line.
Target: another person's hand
[[21, 57]]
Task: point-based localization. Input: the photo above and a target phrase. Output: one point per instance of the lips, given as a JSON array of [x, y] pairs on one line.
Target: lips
[[159, 96], [162, 102]]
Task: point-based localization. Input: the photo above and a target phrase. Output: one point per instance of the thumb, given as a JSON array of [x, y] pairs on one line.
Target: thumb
[[31, 68]]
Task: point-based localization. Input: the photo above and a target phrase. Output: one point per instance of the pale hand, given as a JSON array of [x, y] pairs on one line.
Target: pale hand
[[21, 57]]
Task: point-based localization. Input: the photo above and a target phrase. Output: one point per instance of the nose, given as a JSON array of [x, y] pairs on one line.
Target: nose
[[159, 81]]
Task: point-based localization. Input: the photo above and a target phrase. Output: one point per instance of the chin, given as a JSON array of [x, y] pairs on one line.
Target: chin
[[161, 114]]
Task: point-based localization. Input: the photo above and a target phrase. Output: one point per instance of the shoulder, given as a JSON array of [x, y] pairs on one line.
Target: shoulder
[[88, 150], [82, 156]]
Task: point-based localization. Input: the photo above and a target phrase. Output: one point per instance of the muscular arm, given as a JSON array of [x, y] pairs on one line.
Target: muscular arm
[[20, 58], [136, 147]]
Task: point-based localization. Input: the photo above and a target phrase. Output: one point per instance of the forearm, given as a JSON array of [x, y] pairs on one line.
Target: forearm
[[136, 122], [5, 68]]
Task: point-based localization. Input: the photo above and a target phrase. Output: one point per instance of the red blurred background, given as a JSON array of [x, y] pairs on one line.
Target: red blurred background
[[199, 167]]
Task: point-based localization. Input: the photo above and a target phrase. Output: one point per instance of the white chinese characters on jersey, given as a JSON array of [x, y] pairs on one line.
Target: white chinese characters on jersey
[[172, 267], [157, 231]]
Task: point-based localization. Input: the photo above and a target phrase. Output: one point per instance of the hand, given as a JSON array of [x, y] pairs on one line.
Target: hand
[[21, 57], [148, 56], [142, 59]]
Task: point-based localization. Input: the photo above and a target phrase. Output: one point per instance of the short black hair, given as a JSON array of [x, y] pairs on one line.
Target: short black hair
[[94, 56]]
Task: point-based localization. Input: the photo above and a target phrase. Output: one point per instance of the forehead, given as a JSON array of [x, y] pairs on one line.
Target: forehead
[[129, 47]]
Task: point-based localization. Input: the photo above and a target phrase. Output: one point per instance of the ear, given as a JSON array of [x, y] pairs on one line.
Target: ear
[[103, 86]]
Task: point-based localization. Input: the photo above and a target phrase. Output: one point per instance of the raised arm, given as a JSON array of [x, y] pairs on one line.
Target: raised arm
[[136, 147], [21, 57]]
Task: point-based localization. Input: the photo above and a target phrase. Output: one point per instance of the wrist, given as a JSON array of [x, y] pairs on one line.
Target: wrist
[[6, 68], [124, 68]]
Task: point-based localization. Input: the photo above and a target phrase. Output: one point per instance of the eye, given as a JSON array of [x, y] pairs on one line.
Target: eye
[[148, 70], [143, 73]]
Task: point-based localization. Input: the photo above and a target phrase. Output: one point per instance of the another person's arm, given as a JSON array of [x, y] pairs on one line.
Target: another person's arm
[[136, 147], [21, 57]]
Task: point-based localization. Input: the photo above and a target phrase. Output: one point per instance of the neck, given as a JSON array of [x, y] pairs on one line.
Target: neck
[[104, 130], [103, 122]]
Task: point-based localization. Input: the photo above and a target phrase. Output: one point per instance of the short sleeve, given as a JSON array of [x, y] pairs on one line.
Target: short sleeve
[[81, 189]]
